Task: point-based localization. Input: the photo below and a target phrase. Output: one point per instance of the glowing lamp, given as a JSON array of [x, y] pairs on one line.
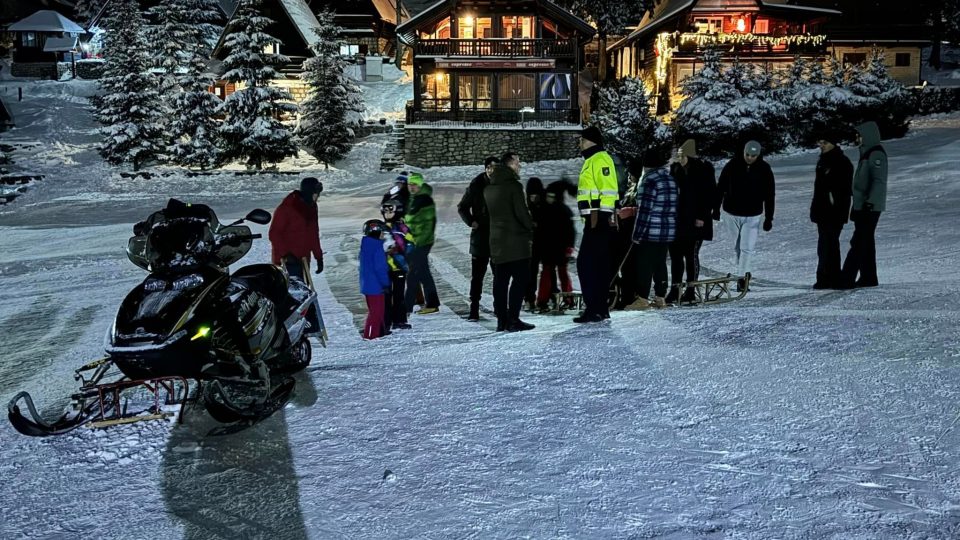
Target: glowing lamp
[[741, 25]]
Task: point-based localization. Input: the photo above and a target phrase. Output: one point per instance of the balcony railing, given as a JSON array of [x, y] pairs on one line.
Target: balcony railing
[[494, 116], [497, 48]]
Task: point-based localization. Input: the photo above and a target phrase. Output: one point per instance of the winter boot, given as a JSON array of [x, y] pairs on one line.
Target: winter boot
[[673, 295], [639, 304], [474, 312], [689, 296], [659, 302]]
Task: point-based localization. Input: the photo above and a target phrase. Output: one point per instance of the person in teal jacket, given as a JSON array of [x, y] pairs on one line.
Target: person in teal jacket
[[422, 220], [869, 201]]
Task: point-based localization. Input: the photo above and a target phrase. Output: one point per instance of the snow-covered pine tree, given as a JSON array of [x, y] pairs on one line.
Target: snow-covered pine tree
[[182, 33], [325, 117], [610, 17], [86, 10], [879, 97], [818, 102], [129, 104], [251, 127], [624, 116], [725, 107]]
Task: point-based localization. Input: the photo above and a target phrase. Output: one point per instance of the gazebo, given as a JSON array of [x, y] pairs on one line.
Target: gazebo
[[44, 38]]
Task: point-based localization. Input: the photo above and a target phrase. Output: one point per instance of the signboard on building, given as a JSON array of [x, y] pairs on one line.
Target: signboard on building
[[495, 64]]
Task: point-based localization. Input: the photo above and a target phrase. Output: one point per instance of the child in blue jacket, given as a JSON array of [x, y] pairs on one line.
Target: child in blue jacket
[[374, 278], [398, 245]]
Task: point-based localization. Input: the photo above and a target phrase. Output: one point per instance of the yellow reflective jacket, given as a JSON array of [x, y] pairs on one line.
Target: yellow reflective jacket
[[597, 188]]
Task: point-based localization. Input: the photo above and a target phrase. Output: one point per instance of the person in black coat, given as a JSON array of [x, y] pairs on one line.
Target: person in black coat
[[830, 207], [696, 180], [535, 195], [473, 211], [746, 193], [557, 239]]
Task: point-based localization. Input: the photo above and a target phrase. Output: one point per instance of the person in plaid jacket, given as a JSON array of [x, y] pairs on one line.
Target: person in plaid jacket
[[656, 225]]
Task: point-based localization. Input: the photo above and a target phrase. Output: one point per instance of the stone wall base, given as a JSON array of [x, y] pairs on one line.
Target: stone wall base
[[434, 146]]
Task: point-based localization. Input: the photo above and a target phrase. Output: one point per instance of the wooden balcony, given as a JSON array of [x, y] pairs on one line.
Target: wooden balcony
[[494, 116], [497, 48]]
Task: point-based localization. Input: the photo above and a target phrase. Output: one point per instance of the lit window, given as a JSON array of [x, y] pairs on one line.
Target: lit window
[[475, 91], [709, 25], [349, 50], [762, 26], [517, 27], [442, 31], [435, 95], [273, 48]]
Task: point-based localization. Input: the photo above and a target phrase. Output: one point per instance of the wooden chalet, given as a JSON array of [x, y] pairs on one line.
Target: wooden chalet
[[495, 61], [45, 36], [667, 45], [369, 26], [293, 26]]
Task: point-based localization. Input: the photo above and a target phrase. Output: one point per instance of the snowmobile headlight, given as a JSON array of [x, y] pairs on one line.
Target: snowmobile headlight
[[154, 285], [202, 332], [187, 282]]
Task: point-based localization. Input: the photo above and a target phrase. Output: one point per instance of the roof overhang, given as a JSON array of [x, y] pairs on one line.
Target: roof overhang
[[46, 20], [59, 44], [651, 23]]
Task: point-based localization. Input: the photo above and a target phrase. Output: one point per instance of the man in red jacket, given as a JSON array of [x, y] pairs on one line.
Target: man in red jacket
[[295, 232]]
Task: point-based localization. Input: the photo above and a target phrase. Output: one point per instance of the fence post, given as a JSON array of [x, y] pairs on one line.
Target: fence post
[[19, 93]]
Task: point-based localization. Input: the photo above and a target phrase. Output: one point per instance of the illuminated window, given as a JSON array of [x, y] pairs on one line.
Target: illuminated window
[[349, 50], [436, 92], [273, 48], [475, 27], [762, 26], [476, 91], [517, 27], [709, 25]]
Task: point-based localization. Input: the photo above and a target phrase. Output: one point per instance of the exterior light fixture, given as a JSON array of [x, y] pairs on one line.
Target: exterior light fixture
[[741, 25]]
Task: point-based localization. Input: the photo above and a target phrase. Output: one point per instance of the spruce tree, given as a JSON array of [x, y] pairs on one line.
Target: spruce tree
[[129, 103], [325, 127], [624, 115], [251, 128], [879, 97], [183, 36]]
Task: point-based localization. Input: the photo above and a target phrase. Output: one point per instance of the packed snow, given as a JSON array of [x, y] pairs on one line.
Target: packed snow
[[792, 413]]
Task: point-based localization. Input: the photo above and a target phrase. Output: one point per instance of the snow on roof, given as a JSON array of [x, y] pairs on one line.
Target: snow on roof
[[388, 10], [60, 44], [303, 19], [46, 20]]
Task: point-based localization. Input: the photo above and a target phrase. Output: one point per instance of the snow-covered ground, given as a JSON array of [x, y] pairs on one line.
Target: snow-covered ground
[[790, 414]]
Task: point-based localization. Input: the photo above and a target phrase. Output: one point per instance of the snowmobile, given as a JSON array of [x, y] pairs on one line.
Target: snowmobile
[[240, 336]]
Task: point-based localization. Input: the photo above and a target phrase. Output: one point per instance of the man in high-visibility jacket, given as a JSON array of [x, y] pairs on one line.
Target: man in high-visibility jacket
[[596, 198]]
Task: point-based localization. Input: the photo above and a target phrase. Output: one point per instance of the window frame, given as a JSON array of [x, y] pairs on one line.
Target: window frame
[[898, 59]]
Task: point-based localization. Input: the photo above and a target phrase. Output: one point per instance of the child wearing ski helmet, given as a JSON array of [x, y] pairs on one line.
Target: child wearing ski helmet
[[374, 278], [398, 246]]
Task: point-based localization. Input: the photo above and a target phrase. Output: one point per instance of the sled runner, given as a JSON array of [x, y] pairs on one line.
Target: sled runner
[[99, 405], [715, 291]]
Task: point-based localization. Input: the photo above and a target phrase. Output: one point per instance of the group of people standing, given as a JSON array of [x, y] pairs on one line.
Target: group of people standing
[[666, 207]]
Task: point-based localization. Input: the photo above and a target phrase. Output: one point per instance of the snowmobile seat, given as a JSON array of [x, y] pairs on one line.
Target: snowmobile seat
[[268, 280]]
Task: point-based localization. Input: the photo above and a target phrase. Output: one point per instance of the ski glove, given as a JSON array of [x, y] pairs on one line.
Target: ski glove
[[767, 225], [320, 264]]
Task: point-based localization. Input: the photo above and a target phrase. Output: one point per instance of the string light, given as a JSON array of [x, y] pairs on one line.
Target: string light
[[664, 51], [724, 38]]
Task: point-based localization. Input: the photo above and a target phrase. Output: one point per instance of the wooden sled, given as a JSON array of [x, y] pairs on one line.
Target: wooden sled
[[715, 291]]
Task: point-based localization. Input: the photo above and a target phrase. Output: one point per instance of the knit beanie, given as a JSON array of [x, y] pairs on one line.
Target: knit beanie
[[415, 179], [593, 135]]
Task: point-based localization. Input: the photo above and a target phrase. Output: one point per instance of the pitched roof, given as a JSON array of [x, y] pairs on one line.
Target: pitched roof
[[46, 20], [297, 12]]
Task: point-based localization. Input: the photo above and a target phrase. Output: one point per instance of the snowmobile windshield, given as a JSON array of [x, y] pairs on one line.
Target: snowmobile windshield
[[180, 244]]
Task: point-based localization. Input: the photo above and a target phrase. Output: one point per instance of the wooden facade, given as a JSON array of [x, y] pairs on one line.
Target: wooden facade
[[493, 61], [667, 45]]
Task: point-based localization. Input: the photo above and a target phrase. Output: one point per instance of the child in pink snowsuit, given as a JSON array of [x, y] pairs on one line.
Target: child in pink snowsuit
[[374, 277]]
